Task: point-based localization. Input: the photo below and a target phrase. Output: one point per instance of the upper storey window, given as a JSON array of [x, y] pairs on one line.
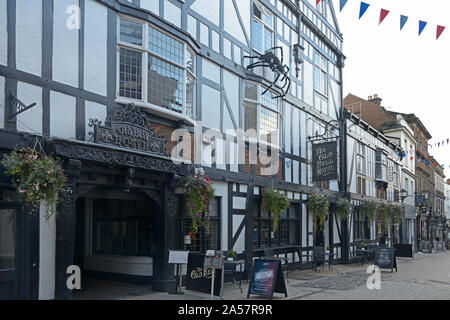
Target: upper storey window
[[155, 69], [262, 28]]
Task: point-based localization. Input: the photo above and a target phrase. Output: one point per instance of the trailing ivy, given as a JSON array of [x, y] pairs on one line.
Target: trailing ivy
[[318, 205], [275, 202], [37, 177], [369, 209], [395, 212], [343, 208], [383, 213]]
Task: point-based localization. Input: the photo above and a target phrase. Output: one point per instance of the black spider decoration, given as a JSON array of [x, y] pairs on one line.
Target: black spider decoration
[[270, 60]]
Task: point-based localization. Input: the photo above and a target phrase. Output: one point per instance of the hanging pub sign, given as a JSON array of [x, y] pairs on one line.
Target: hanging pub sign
[[324, 161], [267, 278], [129, 128]]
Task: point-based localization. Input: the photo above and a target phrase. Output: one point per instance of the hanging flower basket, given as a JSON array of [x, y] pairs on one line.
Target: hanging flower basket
[[369, 209], [318, 205], [343, 208], [198, 194], [276, 203], [37, 178]]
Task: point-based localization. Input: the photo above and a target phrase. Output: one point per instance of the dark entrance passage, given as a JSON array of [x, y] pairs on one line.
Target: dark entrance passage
[[117, 238]]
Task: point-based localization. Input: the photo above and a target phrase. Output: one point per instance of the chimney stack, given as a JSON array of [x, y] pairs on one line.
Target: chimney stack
[[375, 99]]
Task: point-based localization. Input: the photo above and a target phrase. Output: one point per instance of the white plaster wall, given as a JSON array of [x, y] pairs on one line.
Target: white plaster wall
[[296, 132], [150, 5], [47, 253], [93, 111], [65, 45], [308, 83], [210, 103], [172, 13], [30, 120], [231, 85], [211, 71], [29, 36], [221, 190], [210, 9], [231, 23], [3, 34], [95, 47], [62, 115], [296, 170], [244, 11], [2, 102]]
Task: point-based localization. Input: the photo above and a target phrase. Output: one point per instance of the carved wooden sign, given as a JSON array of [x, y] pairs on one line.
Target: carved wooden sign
[[129, 129]]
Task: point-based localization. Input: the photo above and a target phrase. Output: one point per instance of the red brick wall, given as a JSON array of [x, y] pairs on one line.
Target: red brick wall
[[370, 112]]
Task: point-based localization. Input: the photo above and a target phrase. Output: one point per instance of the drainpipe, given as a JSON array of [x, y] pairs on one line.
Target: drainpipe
[[343, 160]]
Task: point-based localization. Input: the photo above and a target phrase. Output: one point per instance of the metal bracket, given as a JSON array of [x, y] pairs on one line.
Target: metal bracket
[[18, 105], [330, 126]]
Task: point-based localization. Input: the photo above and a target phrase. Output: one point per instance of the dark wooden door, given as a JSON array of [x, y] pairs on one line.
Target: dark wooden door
[[11, 251]]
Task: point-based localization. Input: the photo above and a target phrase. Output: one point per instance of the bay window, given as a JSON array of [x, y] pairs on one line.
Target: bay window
[[155, 69]]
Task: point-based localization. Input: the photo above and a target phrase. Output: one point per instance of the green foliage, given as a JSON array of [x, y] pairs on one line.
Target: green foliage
[[231, 253], [383, 213], [369, 209], [343, 208], [37, 178], [395, 211], [198, 194], [276, 203], [318, 205]]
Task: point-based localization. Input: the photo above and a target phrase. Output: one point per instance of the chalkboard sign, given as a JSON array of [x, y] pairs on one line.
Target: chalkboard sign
[[198, 278], [267, 278], [324, 158], [426, 246], [385, 259], [440, 246], [404, 250]]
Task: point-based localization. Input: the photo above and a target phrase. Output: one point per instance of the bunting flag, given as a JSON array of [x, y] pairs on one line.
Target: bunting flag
[[383, 15], [403, 20], [317, 2], [439, 31], [342, 4], [422, 25], [363, 8]]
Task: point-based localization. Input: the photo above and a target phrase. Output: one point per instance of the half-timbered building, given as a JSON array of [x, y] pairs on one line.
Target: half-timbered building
[[122, 89]]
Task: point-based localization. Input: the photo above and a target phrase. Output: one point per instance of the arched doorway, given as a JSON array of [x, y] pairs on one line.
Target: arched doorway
[[117, 236]]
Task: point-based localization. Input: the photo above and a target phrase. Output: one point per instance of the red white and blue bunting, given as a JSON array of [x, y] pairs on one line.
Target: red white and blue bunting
[[384, 13]]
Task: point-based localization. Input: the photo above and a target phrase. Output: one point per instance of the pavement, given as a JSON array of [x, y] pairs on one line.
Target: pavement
[[427, 277]]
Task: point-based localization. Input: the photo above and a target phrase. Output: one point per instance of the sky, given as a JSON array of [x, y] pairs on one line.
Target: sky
[[410, 73]]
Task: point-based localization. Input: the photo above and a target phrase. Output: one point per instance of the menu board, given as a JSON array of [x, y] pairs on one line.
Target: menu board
[[426, 246], [178, 257], [324, 161], [440, 246], [267, 278], [385, 259]]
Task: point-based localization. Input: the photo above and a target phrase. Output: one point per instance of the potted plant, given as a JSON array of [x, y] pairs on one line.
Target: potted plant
[[198, 194], [38, 178], [363, 245], [318, 205], [328, 248], [274, 202], [231, 255], [342, 208]]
